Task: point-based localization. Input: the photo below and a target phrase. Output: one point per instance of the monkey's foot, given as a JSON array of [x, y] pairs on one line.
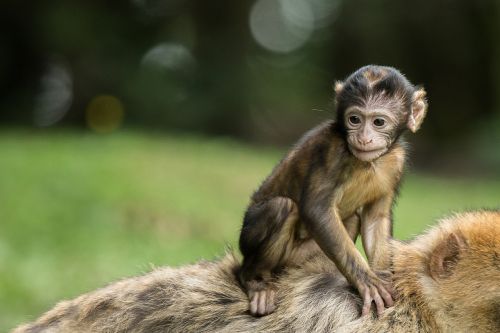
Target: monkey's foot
[[262, 299]]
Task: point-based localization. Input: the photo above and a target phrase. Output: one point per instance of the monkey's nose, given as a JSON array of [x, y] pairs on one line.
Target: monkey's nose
[[364, 141]]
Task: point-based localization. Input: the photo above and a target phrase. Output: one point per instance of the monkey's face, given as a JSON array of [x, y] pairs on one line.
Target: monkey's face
[[374, 105], [370, 131]]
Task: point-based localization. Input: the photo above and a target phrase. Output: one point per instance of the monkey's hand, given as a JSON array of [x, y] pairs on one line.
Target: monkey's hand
[[378, 291], [385, 276], [262, 297]]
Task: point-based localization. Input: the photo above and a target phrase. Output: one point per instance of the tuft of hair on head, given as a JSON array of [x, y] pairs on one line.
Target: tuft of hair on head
[[373, 74]]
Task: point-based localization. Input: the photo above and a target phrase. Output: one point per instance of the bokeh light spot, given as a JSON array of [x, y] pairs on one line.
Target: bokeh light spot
[[169, 56], [325, 11], [282, 25], [104, 113], [55, 96]]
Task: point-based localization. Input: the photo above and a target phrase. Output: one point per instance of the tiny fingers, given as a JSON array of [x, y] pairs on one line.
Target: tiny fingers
[[386, 295], [367, 302], [377, 294], [378, 301]]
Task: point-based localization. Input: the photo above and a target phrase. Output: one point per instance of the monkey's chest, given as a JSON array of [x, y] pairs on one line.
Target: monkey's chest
[[363, 187]]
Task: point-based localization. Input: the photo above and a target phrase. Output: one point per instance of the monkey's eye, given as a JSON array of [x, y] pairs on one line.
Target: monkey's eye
[[355, 120], [379, 122]]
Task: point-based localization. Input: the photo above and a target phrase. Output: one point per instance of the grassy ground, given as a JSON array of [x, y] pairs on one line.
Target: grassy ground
[[78, 210]]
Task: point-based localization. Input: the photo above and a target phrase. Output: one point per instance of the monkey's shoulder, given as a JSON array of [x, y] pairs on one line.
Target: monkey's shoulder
[[322, 146], [317, 140], [316, 135], [288, 175]]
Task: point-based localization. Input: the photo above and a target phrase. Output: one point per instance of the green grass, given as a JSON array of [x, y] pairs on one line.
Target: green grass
[[78, 210]]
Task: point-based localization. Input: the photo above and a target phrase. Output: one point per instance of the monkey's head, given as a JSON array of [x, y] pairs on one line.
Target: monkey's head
[[375, 105], [455, 269]]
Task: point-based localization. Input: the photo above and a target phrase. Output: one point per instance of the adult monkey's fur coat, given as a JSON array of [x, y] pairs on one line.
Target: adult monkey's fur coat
[[447, 280]]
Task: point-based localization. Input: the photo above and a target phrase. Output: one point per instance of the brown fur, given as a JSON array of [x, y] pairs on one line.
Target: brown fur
[[447, 280]]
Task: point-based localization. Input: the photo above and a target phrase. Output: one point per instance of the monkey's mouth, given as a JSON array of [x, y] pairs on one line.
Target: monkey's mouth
[[367, 155]]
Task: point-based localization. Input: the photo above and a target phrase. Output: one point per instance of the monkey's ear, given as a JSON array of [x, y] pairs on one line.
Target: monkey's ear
[[446, 255], [339, 85], [418, 110]]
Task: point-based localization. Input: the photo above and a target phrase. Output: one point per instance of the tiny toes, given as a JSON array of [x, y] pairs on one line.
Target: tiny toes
[[253, 303], [262, 303]]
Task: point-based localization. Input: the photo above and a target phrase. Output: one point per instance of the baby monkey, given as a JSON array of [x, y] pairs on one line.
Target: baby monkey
[[340, 180]]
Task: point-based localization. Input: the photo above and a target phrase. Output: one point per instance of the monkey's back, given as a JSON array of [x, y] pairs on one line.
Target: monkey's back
[[289, 176]]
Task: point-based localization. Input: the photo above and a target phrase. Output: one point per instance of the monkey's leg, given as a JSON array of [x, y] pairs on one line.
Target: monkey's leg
[[332, 237], [307, 248], [266, 242], [376, 232], [303, 251], [353, 226]]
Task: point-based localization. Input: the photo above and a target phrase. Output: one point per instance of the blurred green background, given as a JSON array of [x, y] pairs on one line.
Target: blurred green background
[[132, 133]]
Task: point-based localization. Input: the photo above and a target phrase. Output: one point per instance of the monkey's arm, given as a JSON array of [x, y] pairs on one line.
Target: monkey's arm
[[376, 231], [326, 227]]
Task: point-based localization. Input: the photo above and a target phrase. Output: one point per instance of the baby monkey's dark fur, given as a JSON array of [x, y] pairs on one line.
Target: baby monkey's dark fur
[[339, 181]]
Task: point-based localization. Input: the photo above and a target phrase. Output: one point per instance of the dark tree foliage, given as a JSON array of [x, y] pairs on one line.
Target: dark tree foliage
[[219, 79]]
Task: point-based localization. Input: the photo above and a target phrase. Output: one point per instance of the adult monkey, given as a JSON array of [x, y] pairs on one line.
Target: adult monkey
[[340, 180], [447, 280]]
